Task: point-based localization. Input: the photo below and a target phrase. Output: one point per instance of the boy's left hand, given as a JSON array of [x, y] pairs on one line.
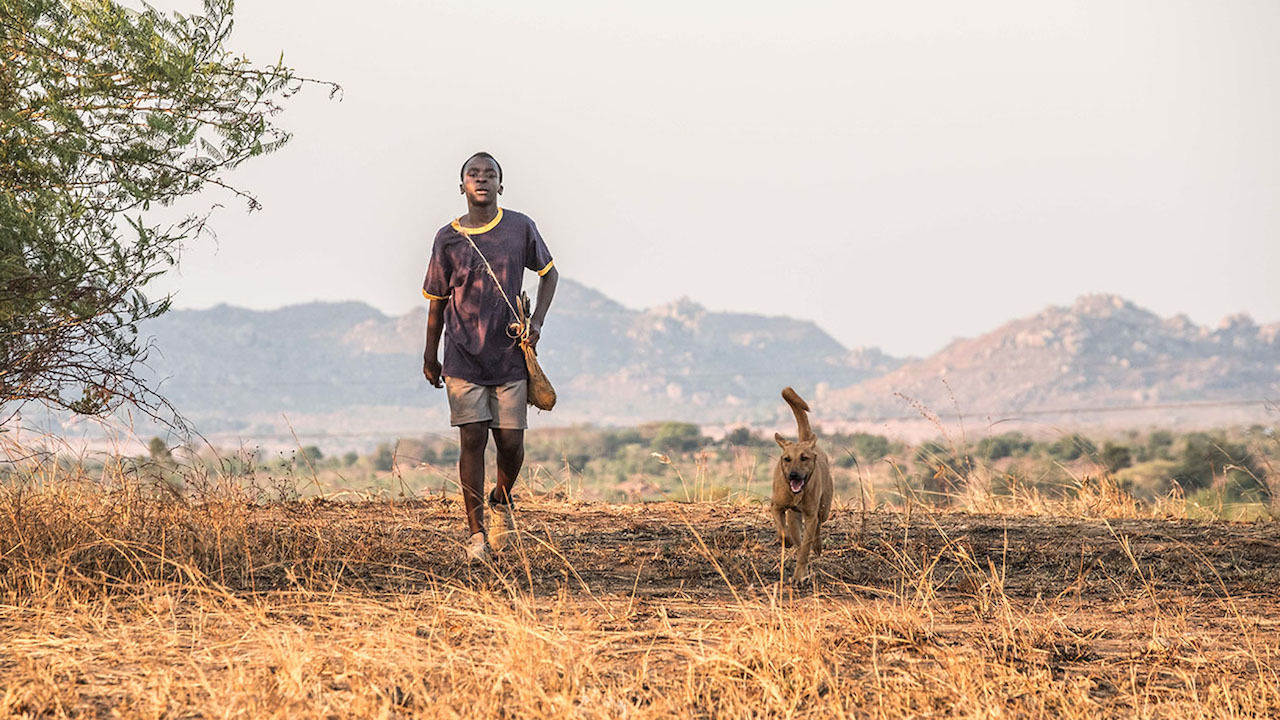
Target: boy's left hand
[[535, 332]]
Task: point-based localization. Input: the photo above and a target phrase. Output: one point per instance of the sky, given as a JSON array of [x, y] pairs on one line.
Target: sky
[[900, 173]]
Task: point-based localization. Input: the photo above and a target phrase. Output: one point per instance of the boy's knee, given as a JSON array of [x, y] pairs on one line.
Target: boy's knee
[[473, 437], [509, 442]]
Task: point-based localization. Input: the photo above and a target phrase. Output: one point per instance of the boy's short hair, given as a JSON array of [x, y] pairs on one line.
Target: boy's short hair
[[462, 174]]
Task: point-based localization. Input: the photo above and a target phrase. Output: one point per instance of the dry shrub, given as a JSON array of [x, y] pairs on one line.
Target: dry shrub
[[65, 527], [1088, 497]]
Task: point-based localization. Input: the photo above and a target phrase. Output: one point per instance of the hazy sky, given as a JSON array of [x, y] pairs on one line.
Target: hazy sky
[[900, 172]]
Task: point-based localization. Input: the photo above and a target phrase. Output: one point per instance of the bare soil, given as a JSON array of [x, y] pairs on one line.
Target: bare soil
[[670, 549]]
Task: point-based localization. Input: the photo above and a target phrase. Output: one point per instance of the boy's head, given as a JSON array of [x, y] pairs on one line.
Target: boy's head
[[481, 179], [483, 156]]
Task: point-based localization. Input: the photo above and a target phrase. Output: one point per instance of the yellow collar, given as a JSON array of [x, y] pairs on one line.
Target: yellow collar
[[457, 225]]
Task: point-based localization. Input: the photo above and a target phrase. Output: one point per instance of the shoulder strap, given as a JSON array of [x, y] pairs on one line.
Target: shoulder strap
[[520, 317]]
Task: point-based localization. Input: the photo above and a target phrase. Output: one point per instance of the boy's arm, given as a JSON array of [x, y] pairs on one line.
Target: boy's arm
[[546, 291], [431, 355]]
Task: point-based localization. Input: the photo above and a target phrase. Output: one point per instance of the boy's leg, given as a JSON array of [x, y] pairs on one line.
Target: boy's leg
[[473, 438], [509, 406], [510, 446], [502, 524]]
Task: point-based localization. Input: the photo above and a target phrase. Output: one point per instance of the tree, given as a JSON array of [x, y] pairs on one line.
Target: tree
[[383, 458], [159, 451], [677, 437], [944, 469], [1070, 447], [996, 447], [1206, 457], [106, 114], [1115, 457]]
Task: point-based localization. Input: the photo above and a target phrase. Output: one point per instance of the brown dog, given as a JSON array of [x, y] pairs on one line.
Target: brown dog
[[802, 489]]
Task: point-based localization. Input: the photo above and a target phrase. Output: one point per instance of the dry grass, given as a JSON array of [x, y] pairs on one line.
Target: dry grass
[[120, 597]]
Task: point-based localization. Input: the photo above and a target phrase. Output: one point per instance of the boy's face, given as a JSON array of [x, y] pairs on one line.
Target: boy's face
[[480, 182]]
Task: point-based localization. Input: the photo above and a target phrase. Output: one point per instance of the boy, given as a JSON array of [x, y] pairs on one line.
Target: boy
[[484, 369]]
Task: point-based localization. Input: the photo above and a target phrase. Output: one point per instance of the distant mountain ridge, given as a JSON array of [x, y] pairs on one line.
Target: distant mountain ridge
[[1102, 351], [346, 367], [232, 369]]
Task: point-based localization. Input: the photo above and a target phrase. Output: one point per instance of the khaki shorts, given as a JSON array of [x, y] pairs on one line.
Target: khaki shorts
[[505, 407]]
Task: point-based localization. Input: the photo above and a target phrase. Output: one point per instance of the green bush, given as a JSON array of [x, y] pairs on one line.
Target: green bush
[[943, 469], [677, 437], [996, 447], [1115, 457], [615, 440], [1071, 447], [1205, 457], [383, 457], [869, 448]]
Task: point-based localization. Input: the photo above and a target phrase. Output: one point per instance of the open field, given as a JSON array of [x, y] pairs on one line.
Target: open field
[[128, 600]]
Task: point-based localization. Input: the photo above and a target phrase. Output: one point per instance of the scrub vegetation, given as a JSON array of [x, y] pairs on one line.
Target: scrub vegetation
[[1222, 473]]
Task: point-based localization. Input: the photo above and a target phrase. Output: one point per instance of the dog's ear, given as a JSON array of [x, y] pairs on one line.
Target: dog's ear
[[782, 442]]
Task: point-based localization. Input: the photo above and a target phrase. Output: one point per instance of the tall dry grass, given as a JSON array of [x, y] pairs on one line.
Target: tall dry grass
[[122, 597]]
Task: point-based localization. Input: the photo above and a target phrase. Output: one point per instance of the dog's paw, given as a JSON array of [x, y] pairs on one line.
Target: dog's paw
[[801, 576]]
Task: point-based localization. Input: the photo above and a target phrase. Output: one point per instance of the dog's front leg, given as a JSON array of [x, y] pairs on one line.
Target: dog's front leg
[[806, 546], [780, 519], [794, 531]]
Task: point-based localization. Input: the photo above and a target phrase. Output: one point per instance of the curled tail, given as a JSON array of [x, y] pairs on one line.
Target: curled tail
[[801, 410]]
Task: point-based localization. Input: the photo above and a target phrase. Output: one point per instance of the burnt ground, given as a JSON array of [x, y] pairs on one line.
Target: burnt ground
[[691, 549]]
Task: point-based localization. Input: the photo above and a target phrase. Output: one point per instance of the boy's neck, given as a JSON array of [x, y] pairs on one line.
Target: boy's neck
[[480, 215]]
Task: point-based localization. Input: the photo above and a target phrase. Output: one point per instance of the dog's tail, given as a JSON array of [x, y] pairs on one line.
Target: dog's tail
[[801, 410]]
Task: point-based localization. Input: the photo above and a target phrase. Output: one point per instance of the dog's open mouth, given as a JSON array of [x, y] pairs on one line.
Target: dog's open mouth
[[797, 483]]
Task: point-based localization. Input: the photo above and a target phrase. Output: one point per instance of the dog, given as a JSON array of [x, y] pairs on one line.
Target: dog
[[802, 489]]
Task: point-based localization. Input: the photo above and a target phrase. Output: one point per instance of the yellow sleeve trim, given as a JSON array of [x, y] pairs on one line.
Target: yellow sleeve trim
[[429, 296], [457, 225], [546, 269]]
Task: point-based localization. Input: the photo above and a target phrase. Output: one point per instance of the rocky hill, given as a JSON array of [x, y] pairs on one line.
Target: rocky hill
[[347, 367], [1101, 352]]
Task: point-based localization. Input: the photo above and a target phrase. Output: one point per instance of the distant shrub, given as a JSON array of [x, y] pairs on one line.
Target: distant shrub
[[577, 462], [615, 440], [1159, 446], [1206, 457], [158, 449], [383, 457], [677, 437], [943, 469], [1115, 457], [1071, 447], [869, 448], [996, 447]]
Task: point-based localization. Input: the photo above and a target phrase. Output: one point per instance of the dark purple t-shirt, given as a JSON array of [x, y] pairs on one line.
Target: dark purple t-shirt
[[477, 347]]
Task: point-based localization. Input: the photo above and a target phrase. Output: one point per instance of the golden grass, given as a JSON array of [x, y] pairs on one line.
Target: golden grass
[[120, 597]]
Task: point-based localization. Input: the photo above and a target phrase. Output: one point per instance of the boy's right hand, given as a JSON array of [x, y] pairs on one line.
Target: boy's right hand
[[431, 368]]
